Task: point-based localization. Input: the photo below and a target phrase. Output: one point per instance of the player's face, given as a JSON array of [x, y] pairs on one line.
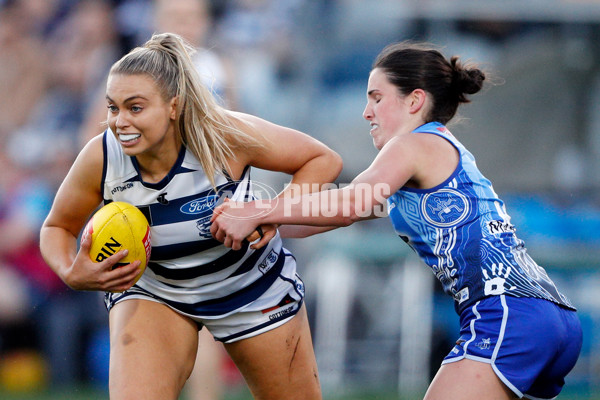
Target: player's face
[[138, 115], [386, 108]]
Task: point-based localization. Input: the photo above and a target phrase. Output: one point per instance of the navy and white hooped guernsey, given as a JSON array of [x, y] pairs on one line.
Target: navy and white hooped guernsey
[[460, 228], [190, 270]]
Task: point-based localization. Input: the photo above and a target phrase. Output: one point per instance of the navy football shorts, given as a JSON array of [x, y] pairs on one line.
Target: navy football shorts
[[531, 344]]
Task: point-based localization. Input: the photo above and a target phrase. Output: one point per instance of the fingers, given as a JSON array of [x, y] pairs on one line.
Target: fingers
[[268, 232], [253, 236], [234, 244], [220, 231], [230, 228], [86, 243], [122, 277], [112, 274], [216, 212], [231, 240], [265, 239], [118, 275], [217, 233]]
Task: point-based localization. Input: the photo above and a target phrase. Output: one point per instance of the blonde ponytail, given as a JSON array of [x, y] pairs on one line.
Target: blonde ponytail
[[204, 127]]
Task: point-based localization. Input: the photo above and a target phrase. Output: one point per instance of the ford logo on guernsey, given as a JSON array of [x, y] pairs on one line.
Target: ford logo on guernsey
[[199, 206]]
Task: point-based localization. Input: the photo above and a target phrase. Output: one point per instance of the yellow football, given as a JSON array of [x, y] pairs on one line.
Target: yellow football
[[118, 226]]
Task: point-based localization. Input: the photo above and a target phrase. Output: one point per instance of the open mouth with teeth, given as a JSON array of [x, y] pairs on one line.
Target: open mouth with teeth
[[129, 137]]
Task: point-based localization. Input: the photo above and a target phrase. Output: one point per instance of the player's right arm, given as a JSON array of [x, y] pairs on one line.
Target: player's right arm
[[78, 196]]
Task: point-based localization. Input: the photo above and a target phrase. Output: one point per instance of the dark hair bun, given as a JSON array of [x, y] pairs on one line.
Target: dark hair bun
[[466, 80]]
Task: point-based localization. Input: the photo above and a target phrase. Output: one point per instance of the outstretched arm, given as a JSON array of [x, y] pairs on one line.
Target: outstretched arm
[[364, 198], [302, 231], [233, 221]]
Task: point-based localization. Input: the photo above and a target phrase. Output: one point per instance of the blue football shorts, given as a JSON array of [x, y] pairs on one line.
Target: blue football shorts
[[531, 344]]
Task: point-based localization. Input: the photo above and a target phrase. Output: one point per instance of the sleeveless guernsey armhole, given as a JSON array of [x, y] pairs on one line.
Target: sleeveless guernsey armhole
[[456, 169], [230, 179], [104, 162]]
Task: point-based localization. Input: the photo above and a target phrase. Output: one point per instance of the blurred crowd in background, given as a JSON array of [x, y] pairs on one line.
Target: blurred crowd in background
[[300, 63], [54, 58]]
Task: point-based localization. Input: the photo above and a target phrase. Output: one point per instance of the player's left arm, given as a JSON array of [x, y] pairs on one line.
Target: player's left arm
[[310, 163]]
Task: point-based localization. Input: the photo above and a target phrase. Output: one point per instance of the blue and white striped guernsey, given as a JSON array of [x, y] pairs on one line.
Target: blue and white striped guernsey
[[189, 270], [460, 228]]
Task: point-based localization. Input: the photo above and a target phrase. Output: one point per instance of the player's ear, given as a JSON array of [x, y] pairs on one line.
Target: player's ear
[[173, 107], [417, 100]]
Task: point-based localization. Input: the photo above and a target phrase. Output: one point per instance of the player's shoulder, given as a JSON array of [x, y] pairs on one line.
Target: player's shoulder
[[91, 157], [247, 123], [95, 145], [428, 144]]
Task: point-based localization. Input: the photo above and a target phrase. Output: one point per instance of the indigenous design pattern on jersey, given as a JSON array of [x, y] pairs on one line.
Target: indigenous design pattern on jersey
[[189, 269], [462, 231]]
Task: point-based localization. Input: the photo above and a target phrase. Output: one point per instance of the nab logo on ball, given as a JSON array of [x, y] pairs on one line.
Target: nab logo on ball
[[108, 249], [118, 226]]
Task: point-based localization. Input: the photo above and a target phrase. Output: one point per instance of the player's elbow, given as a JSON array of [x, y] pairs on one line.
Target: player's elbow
[[346, 221], [336, 163]]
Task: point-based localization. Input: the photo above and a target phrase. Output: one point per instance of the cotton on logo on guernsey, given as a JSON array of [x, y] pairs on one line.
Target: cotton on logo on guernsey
[[126, 186]]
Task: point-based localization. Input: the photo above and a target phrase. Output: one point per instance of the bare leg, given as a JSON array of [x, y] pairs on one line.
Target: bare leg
[[152, 351], [279, 364], [206, 381], [468, 380]]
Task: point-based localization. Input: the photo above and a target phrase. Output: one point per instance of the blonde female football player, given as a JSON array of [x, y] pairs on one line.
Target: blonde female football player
[[519, 335], [174, 152]]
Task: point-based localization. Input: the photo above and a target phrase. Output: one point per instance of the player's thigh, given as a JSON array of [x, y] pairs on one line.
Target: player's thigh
[[279, 364], [467, 380], [152, 350]]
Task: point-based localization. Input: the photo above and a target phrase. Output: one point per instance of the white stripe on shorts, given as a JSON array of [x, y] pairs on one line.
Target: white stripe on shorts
[[497, 348], [473, 335]]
